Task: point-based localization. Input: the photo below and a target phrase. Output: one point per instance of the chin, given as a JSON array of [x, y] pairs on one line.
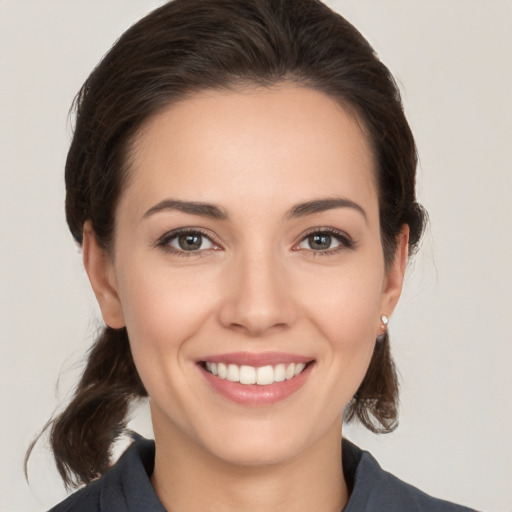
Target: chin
[[253, 453], [260, 443]]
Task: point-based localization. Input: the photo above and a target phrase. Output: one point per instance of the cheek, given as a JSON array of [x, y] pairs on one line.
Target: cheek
[[157, 297], [162, 310], [345, 307], [346, 302]]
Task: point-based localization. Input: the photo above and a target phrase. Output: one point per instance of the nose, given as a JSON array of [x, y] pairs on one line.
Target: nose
[[257, 297]]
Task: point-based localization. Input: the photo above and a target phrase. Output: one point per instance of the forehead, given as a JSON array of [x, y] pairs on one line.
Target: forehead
[[283, 144]]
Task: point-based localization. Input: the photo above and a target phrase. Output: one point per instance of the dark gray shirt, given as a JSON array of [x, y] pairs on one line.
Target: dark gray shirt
[[127, 488]]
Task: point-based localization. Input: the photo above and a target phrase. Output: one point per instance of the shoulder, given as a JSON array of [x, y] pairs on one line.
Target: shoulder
[[374, 489], [86, 499], [126, 487]]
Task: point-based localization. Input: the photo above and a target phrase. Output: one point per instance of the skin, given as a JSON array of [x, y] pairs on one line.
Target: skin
[[258, 286]]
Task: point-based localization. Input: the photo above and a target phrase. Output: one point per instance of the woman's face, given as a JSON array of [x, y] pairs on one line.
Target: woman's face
[[247, 245]]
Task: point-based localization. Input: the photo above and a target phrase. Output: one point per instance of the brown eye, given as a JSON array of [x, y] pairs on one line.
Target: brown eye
[[319, 241], [325, 242], [190, 242]]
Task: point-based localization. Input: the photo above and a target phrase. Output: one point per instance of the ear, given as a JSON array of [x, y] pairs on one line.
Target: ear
[[100, 269], [394, 278]]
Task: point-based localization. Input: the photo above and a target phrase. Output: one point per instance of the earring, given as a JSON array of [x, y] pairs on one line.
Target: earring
[[384, 321]]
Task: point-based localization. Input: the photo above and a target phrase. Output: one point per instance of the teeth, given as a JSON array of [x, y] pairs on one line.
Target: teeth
[[263, 375], [279, 373], [212, 368], [222, 370], [298, 368], [247, 375], [233, 373]]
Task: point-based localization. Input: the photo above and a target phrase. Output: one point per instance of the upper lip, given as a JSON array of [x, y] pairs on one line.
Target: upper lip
[[256, 360]]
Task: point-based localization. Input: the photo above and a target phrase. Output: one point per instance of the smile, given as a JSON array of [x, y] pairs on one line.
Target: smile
[[262, 376], [256, 379]]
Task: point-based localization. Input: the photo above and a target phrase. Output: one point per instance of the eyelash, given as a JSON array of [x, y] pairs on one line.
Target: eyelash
[[345, 241], [164, 241]]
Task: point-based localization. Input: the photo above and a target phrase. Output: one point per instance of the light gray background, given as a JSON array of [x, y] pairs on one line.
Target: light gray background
[[452, 333]]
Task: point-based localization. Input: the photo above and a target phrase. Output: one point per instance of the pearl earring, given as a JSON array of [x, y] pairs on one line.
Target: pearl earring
[[384, 321]]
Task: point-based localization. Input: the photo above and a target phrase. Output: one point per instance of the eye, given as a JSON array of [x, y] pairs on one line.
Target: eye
[[186, 241], [191, 242], [325, 241]]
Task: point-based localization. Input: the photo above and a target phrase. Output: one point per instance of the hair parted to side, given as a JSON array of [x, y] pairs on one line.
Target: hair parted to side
[[184, 47]]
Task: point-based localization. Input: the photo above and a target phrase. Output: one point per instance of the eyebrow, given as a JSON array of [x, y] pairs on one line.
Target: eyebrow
[[215, 212], [192, 207], [322, 205]]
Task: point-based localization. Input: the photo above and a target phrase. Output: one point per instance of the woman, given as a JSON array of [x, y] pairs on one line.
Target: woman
[[241, 180]]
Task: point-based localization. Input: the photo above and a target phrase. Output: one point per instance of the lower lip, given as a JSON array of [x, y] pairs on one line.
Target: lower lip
[[254, 394]]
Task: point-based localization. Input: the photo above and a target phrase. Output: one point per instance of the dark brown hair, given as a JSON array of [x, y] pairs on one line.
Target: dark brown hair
[[184, 47]]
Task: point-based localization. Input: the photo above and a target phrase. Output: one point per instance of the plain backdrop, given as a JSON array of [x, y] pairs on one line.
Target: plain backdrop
[[451, 334]]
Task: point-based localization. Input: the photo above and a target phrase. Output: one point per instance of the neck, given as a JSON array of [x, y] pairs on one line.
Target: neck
[[186, 478]]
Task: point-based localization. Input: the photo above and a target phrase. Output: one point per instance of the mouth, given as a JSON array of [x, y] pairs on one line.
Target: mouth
[[256, 380], [250, 375]]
